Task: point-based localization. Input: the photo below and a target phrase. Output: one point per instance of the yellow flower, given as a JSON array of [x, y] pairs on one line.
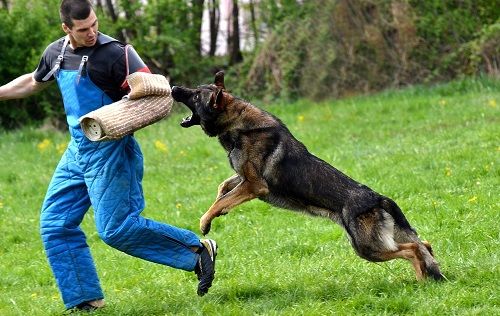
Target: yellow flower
[[447, 171], [492, 103], [61, 148], [1, 204], [44, 145], [442, 102], [300, 118], [178, 205], [161, 146], [473, 199]]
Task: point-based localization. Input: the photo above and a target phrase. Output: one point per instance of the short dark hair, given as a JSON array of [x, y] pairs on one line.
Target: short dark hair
[[74, 10]]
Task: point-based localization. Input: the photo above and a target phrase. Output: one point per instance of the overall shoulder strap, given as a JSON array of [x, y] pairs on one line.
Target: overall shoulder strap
[[82, 69], [60, 58]]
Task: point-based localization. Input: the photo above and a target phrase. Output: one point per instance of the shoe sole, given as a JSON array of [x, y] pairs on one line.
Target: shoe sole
[[212, 250]]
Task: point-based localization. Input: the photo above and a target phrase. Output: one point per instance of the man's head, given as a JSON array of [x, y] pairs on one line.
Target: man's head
[[79, 22]]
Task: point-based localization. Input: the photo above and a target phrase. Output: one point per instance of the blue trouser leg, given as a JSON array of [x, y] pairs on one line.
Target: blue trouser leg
[[111, 173], [115, 187], [65, 244]]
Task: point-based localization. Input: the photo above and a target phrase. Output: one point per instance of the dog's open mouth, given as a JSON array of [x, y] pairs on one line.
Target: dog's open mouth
[[191, 120], [181, 94]]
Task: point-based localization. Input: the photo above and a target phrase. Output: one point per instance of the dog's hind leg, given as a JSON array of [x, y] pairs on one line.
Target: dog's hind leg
[[428, 246], [430, 265], [414, 253], [376, 237], [404, 233], [410, 252]]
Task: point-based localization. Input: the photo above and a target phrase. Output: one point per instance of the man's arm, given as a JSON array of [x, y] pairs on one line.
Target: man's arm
[[21, 87]]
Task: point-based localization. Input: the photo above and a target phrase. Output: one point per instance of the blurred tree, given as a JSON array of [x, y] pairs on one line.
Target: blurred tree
[[233, 37], [197, 19], [21, 48], [253, 22], [448, 28], [214, 20], [166, 33], [110, 9], [333, 48], [314, 49]]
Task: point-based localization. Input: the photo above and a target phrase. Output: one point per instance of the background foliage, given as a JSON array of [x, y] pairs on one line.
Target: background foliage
[[336, 48], [304, 49]]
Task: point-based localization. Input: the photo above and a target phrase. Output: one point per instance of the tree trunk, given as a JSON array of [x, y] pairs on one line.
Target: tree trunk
[[5, 4], [253, 23], [233, 37], [98, 4], [114, 17], [197, 6], [128, 34], [111, 10], [214, 17]]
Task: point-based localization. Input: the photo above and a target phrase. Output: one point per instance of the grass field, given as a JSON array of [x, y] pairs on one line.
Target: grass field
[[434, 150]]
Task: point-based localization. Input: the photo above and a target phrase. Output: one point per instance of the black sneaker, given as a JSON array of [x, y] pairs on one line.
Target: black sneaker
[[205, 268], [87, 306]]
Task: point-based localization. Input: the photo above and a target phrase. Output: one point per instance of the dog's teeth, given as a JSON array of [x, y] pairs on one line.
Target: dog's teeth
[[186, 119]]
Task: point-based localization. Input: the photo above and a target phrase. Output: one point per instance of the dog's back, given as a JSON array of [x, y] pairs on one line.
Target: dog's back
[[296, 178]]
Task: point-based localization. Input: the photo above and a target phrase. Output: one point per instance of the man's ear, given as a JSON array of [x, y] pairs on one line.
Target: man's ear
[[219, 99], [65, 28]]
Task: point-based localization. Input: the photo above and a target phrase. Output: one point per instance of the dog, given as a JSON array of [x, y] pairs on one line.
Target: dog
[[273, 166]]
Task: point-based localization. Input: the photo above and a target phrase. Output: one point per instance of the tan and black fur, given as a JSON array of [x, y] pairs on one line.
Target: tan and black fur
[[272, 165]]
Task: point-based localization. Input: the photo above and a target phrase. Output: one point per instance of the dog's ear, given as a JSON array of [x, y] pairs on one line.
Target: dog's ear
[[219, 99], [219, 80]]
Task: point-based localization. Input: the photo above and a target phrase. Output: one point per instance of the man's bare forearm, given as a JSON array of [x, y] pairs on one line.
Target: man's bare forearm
[[21, 87]]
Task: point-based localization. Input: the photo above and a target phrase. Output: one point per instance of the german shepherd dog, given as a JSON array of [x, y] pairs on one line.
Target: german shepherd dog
[[272, 165]]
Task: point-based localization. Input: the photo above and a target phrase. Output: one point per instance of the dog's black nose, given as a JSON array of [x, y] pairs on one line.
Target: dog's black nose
[[175, 91]]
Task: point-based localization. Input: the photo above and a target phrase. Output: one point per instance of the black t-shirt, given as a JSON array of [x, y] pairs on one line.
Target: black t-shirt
[[106, 66]]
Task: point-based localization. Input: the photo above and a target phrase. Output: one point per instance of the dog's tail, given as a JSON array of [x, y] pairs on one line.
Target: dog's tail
[[405, 233]]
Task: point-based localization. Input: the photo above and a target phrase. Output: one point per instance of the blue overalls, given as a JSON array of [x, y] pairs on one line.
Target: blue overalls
[[106, 175]]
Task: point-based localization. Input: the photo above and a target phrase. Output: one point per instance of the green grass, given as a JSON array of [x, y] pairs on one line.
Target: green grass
[[432, 149]]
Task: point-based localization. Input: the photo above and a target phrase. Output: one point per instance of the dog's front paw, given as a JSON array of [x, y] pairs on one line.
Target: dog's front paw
[[205, 225]]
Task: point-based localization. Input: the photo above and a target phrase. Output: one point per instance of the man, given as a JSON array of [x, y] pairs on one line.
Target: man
[[90, 69]]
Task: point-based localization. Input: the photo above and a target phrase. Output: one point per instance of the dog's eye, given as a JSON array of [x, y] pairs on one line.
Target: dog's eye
[[196, 97]]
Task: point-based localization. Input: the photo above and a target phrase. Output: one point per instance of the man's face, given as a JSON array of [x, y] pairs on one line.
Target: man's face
[[84, 32]]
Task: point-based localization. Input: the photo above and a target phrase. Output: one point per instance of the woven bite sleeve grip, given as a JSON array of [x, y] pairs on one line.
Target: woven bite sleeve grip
[[148, 102]]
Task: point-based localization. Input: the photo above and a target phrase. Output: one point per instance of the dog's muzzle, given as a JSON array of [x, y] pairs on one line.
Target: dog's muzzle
[[179, 95]]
